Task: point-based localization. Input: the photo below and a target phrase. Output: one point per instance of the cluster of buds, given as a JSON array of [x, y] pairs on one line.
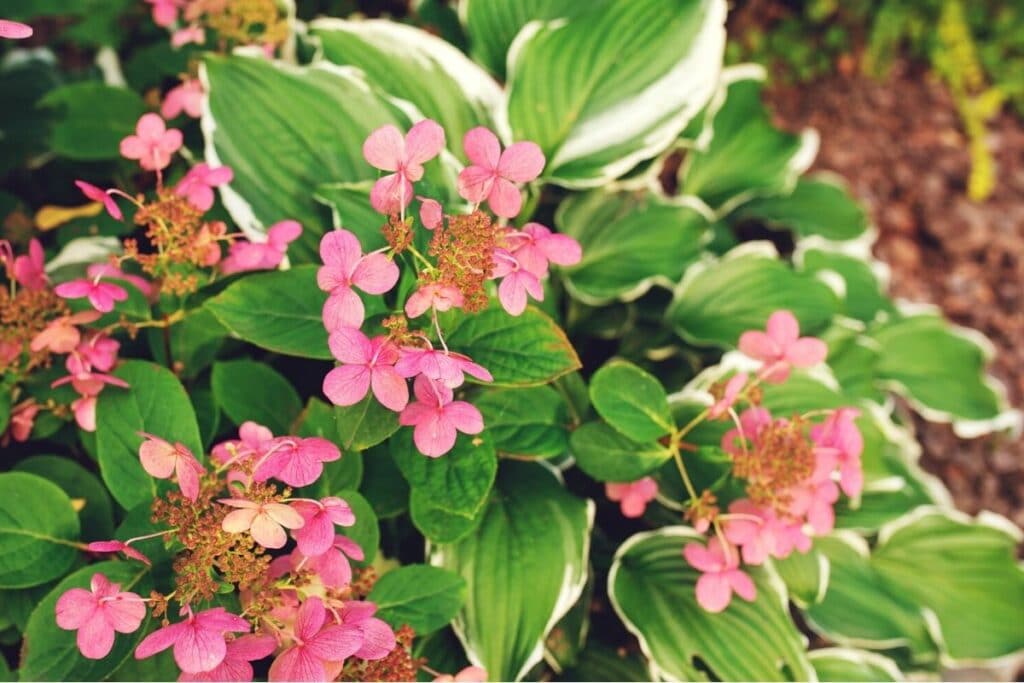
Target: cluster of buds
[[232, 22], [466, 250]]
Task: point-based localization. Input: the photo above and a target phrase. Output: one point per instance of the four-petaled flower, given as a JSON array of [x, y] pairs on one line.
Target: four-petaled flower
[[367, 364], [197, 185], [447, 367], [152, 145], [198, 641], [387, 150], [98, 194], [265, 521], [516, 283], [30, 268], [296, 461], [436, 417], [320, 646], [633, 496], [244, 256], [316, 535], [493, 174], [781, 347], [839, 434], [187, 97], [345, 267], [161, 459], [378, 638], [102, 295], [236, 666], [535, 246], [721, 575], [97, 613]]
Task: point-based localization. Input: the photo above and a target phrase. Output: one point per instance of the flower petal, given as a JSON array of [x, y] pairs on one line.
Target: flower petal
[[424, 141], [521, 162], [384, 148], [505, 199], [482, 148], [375, 274], [347, 385], [714, 593]]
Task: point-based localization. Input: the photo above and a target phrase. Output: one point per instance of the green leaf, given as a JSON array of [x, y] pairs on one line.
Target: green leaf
[[281, 311], [718, 300], [50, 652], [459, 481], [38, 530], [383, 483], [630, 242], [194, 342], [584, 89], [652, 588], [519, 351], [528, 421], [351, 210], [864, 296], [424, 597], [97, 516], [365, 424], [437, 524], [366, 531], [517, 594], [92, 119], [848, 664], [597, 663], [631, 400], [818, 205], [155, 403], [805, 575], [607, 455], [247, 390]]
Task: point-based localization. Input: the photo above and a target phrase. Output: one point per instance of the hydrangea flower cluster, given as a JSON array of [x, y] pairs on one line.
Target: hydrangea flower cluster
[[464, 252], [225, 23]]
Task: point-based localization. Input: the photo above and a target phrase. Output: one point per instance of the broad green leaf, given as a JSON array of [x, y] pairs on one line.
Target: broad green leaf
[[519, 351], [567, 639], [631, 400], [383, 483], [156, 404], [350, 209], [863, 277], [528, 421], [607, 455], [720, 299], [246, 390], [365, 424], [630, 242], [652, 588], [517, 594], [818, 205], [97, 515], [805, 575], [51, 654], [746, 156], [193, 343], [605, 90], [848, 664], [416, 66], [38, 530], [436, 523], [458, 482], [424, 597], [599, 663], [366, 531], [92, 119]]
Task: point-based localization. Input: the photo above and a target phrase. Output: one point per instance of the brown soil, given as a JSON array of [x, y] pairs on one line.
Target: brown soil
[[901, 148]]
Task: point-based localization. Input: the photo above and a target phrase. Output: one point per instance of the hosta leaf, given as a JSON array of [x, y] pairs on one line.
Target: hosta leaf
[[423, 597], [246, 390], [652, 589], [38, 530], [597, 663], [97, 514], [459, 481], [818, 205], [805, 575], [528, 421], [848, 664], [605, 90], [631, 400], [350, 209], [864, 297], [516, 594], [607, 455]]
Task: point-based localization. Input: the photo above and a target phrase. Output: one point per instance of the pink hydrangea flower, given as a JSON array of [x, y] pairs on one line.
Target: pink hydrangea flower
[[435, 296], [100, 270], [23, 418], [189, 34], [160, 459], [152, 145], [345, 268], [535, 246], [431, 214], [14, 30], [97, 613], [316, 535], [493, 174], [839, 433], [814, 499], [436, 418], [387, 150], [471, 674], [197, 185], [378, 638], [30, 268], [366, 364], [98, 194], [729, 395], [98, 352], [721, 575], [333, 567], [781, 347], [633, 496], [236, 666], [516, 283], [296, 461], [253, 440], [117, 547], [86, 382], [754, 529], [265, 521], [446, 367], [102, 295], [318, 642], [84, 410], [246, 256], [198, 641], [165, 12], [186, 97], [61, 335], [752, 421]]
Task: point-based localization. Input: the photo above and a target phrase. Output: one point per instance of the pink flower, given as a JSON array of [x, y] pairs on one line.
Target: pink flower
[[197, 185], [152, 143], [471, 674], [97, 613], [446, 367], [190, 34], [97, 270], [633, 496], [102, 295], [86, 382], [535, 246], [839, 433], [333, 566], [431, 215], [61, 335], [433, 295], [187, 97], [782, 348], [318, 642], [98, 194], [754, 529], [721, 576], [198, 641], [316, 535], [23, 418], [367, 364], [245, 256], [493, 173], [117, 547], [30, 269], [99, 352], [517, 283], [752, 421], [14, 30], [404, 157], [378, 638], [265, 521], [160, 459], [84, 410], [437, 418], [296, 461], [814, 498], [345, 267], [253, 439], [165, 12], [236, 666], [732, 390]]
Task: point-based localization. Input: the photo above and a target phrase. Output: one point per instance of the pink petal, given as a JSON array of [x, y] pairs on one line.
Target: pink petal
[[431, 214], [350, 548], [390, 388], [132, 147], [806, 352], [238, 521], [419, 302], [434, 436], [14, 30], [701, 558], [150, 127], [347, 385], [505, 199], [375, 274], [251, 647], [343, 308], [482, 148], [384, 148], [334, 569], [512, 294], [342, 249], [378, 640], [466, 418], [337, 642], [295, 664], [561, 249], [199, 649], [391, 193], [284, 515], [714, 593], [74, 608], [159, 640], [283, 233], [424, 141], [95, 637], [316, 536], [521, 162], [310, 619], [267, 532], [783, 328], [759, 346], [188, 470], [475, 183], [742, 584], [350, 345], [125, 613], [158, 458], [75, 289]]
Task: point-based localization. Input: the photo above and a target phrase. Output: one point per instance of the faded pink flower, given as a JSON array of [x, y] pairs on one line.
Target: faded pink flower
[[102, 295], [752, 421], [387, 150], [160, 459], [14, 30], [117, 547], [436, 417], [253, 440], [781, 347], [446, 367], [187, 97], [732, 390], [30, 268], [345, 268], [265, 521], [98, 194], [366, 364], [471, 674], [97, 613], [333, 566], [431, 214], [433, 295], [85, 381], [493, 174], [165, 12], [98, 352], [633, 496], [535, 246], [516, 283], [236, 666], [754, 529], [189, 34], [84, 410], [152, 145], [378, 638], [316, 535], [245, 256], [197, 185], [198, 641], [721, 576], [839, 433], [100, 270], [318, 642], [296, 461], [23, 418]]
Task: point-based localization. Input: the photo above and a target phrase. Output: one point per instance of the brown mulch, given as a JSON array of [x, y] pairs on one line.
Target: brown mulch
[[901, 148]]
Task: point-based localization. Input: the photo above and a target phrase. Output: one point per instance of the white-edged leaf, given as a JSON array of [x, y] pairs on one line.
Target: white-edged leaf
[[850, 664]]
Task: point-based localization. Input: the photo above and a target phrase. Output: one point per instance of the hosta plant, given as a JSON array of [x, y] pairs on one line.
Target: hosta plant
[[525, 352]]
